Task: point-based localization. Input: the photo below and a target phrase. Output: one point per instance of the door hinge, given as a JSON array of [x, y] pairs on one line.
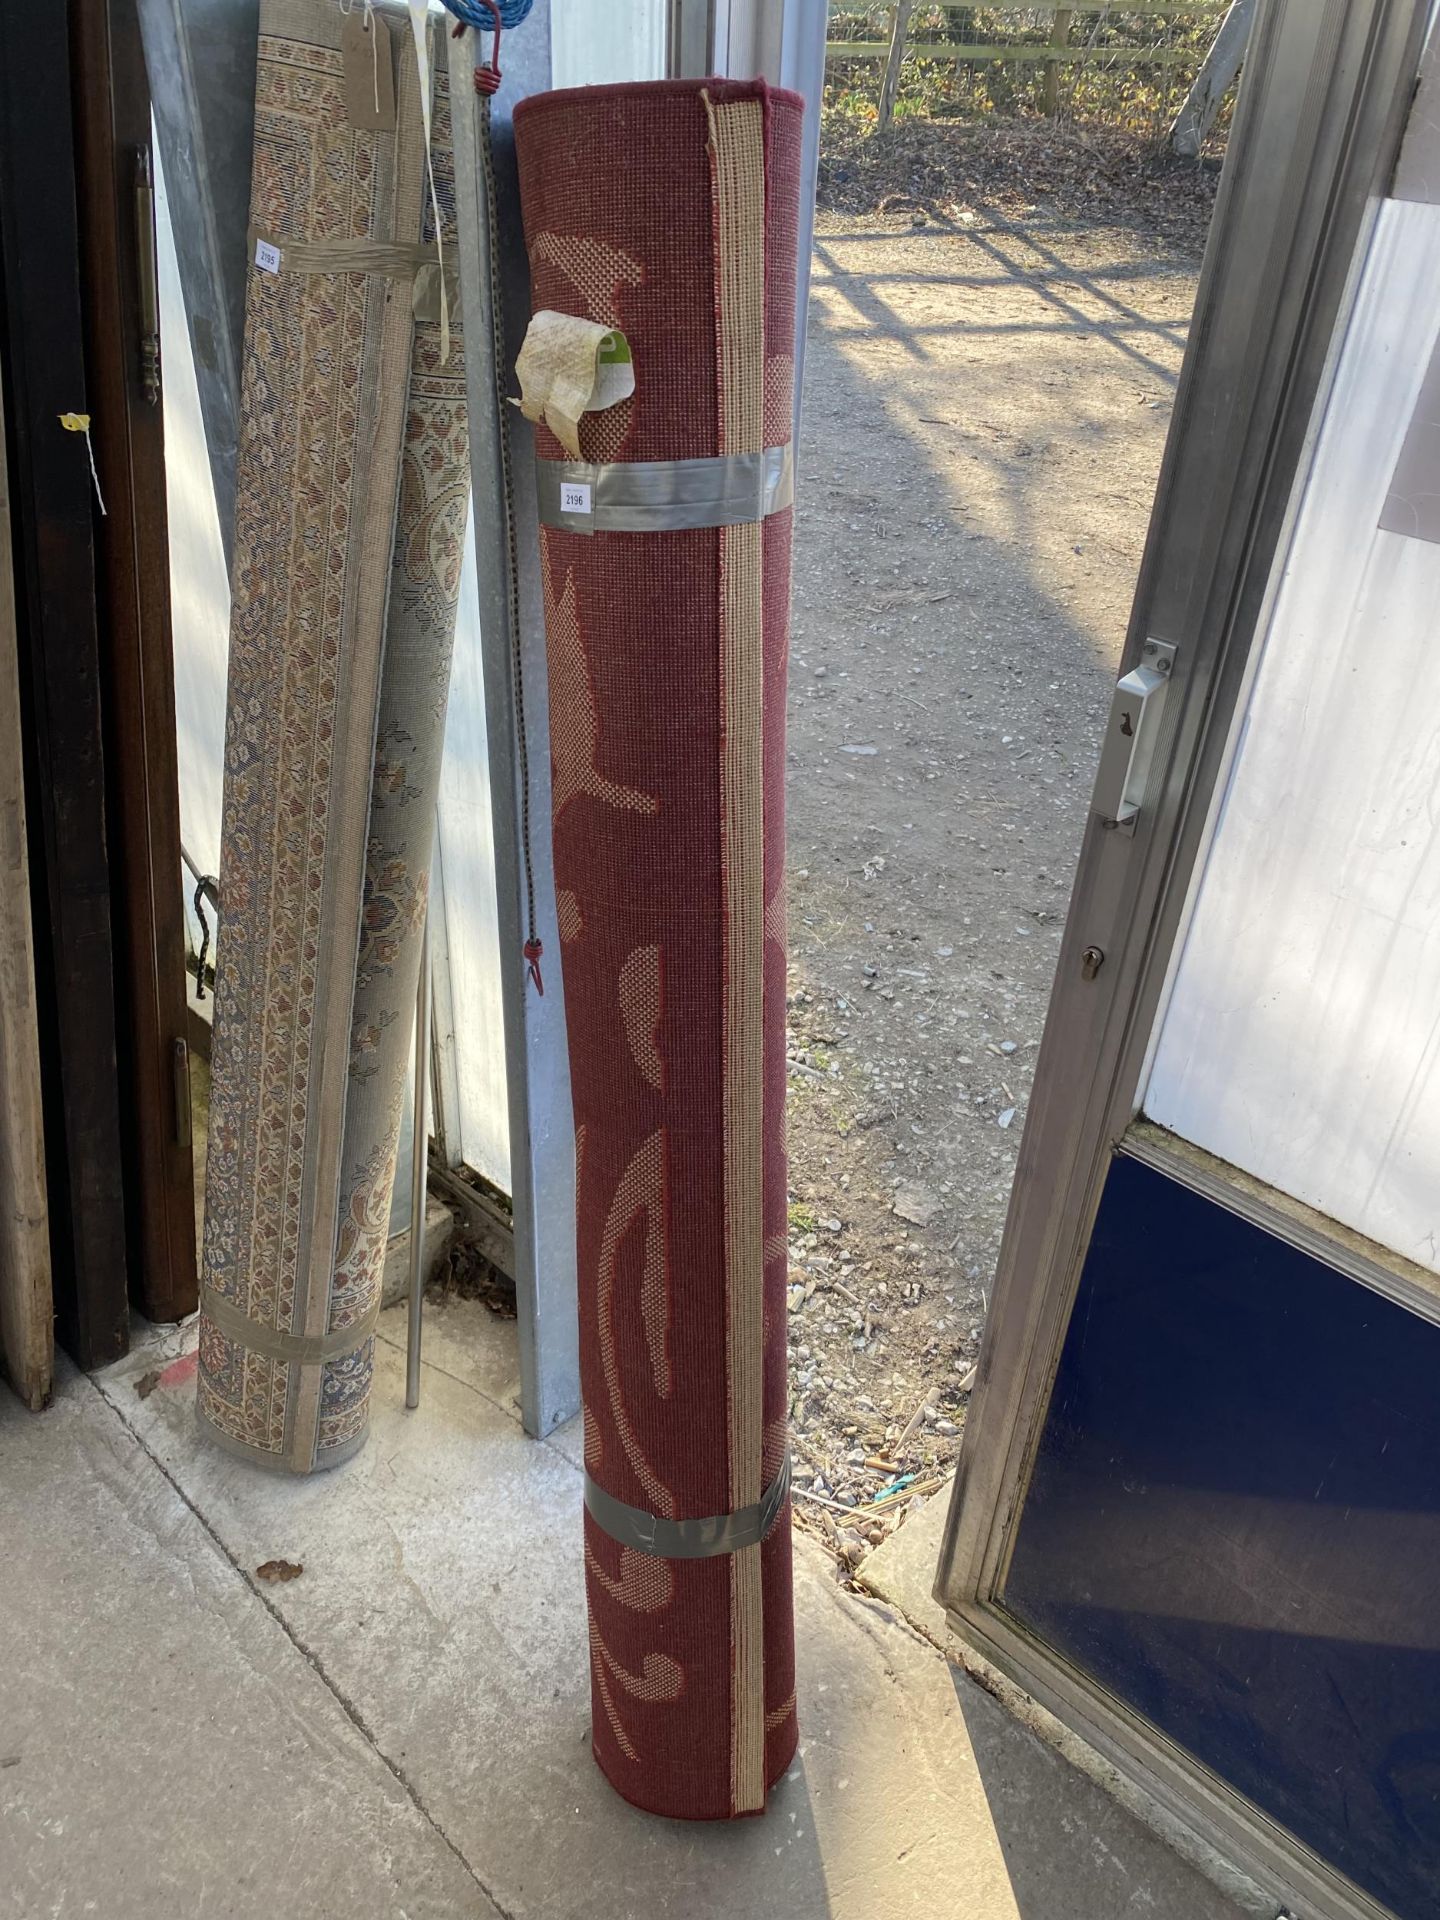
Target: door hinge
[[146, 280], [180, 1077]]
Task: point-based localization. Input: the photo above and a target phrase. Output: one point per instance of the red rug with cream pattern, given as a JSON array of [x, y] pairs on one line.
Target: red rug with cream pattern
[[669, 210]]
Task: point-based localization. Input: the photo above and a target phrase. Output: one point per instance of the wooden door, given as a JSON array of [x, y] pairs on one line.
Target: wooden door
[[116, 195], [54, 511]]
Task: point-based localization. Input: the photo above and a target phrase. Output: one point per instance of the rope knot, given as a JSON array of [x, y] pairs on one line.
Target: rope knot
[[533, 950]]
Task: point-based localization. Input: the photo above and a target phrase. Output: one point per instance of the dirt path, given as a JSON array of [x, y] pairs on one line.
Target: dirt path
[[985, 412]]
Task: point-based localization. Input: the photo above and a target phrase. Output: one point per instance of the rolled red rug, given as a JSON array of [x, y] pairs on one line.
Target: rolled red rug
[[668, 210]]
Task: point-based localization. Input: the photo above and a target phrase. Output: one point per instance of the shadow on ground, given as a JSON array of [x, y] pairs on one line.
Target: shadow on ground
[[1072, 1852], [985, 411]]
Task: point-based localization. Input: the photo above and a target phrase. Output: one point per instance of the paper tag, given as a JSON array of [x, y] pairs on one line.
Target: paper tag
[[368, 56], [568, 367], [267, 256], [574, 496]]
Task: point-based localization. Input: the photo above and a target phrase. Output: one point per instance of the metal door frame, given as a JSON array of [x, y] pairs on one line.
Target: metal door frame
[[1326, 93], [542, 1147]]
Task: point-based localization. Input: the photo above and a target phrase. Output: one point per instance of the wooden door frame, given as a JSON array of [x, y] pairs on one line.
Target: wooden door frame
[[113, 141], [27, 1346], [1323, 106], [53, 506]]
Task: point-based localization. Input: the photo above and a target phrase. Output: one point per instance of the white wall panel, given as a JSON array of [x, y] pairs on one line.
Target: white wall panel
[[1301, 1039], [199, 583], [469, 1015], [595, 45]]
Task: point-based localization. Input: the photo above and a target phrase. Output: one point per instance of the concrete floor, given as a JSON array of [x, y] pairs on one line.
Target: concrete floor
[[404, 1729]]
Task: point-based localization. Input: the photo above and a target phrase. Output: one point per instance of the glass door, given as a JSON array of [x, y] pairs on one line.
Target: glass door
[[1198, 1508]]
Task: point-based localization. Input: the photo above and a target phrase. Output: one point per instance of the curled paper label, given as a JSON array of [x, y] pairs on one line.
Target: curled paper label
[[569, 367]]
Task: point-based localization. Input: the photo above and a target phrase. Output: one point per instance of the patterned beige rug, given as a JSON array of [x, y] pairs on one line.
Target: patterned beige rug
[[351, 497]]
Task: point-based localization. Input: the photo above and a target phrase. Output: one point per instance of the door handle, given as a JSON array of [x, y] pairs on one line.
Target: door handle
[[1129, 750]]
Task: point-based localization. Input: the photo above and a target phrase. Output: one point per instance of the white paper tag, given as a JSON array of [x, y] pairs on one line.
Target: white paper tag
[[574, 496], [267, 256]]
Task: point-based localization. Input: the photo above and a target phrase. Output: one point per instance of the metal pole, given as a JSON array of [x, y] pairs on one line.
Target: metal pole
[[537, 1070], [419, 1166]]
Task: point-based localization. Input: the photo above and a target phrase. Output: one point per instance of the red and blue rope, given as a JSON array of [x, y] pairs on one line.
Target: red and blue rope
[[493, 14]]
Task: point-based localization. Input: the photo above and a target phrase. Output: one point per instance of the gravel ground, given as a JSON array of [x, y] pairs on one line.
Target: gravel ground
[[986, 403], [1024, 170]]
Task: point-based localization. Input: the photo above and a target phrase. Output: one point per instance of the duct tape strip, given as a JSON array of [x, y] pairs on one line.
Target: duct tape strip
[[397, 259], [400, 259], [659, 496], [688, 1539], [310, 1349]]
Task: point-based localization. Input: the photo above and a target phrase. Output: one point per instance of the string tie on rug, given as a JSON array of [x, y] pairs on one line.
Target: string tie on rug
[[367, 7], [80, 423]]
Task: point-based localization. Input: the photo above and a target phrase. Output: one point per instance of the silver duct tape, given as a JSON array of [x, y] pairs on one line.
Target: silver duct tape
[[688, 1539], [308, 1348], [660, 496]]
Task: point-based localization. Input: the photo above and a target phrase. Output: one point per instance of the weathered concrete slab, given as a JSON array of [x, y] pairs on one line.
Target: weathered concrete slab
[[902, 1569], [1072, 1850], [457, 1339], [165, 1748], [439, 1230], [442, 1599], [1032, 1789]]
